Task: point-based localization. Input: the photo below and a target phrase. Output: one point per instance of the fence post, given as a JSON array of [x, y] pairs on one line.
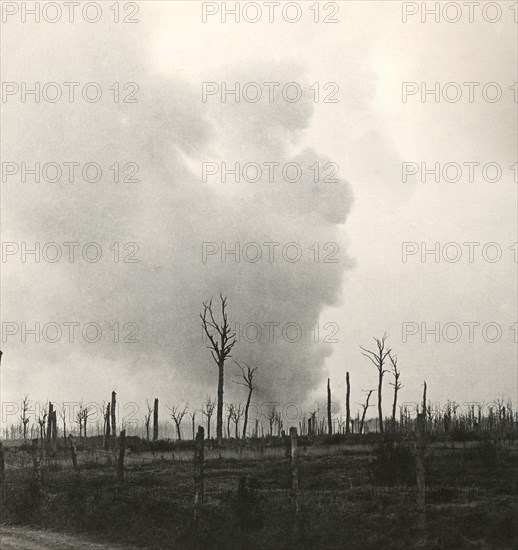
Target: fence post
[[420, 471], [122, 450]]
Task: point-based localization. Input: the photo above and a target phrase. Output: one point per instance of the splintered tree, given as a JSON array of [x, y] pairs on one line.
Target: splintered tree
[[247, 374], [222, 340], [24, 418], [208, 411], [177, 415], [147, 418], [63, 416], [396, 385], [365, 407], [329, 416], [378, 359]]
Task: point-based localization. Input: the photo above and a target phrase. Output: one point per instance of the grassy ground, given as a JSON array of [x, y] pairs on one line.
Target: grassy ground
[[358, 497]]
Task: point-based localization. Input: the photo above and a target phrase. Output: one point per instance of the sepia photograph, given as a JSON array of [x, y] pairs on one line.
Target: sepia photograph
[[259, 275]]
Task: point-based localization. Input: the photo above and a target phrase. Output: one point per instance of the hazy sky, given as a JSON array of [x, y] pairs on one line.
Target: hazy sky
[[362, 219]]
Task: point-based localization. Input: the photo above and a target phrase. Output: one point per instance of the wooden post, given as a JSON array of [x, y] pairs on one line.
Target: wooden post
[[199, 457], [155, 420], [122, 450], [420, 471], [347, 404], [329, 420]]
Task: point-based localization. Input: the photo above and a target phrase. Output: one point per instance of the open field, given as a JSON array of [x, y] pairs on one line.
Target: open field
[[350, 496]]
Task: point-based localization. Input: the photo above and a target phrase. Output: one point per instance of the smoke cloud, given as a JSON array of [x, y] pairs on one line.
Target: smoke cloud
[[171, 213]]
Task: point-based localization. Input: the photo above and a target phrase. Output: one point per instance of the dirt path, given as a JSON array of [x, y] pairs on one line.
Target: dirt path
[[19, 538]]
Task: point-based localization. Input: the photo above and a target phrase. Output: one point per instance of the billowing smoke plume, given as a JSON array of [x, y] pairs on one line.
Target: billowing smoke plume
[[172, 215]]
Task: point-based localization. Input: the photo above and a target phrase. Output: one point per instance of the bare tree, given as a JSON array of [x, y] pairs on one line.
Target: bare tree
[[247, 374], [221, 343], [208, 411], [230, 416], [41, 421], [378, 359], [365, 407], [177, 415], [396, 385], [79, 419], [235, 415], [147, 418], [86, 414], [272, 416], [24, 418]]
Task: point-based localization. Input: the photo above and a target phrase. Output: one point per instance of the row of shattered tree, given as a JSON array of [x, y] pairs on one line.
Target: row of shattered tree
[[233, 419]]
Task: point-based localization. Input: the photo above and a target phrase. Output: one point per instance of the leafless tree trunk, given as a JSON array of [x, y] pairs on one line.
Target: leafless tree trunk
[[193, 420], [63, 416], [113, 417], [365, 407], [220, 351], [424, 406], [107, 426], [397, 386], [147, 419], [155, 420], [247, 374], [347, 404], [378, 359], [24, 418], [329, 419], [208, 411], [230, 414], [177, 415]]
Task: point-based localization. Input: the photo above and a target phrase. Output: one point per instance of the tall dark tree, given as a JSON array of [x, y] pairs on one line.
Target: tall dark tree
[[222, 339], [378, 359]]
